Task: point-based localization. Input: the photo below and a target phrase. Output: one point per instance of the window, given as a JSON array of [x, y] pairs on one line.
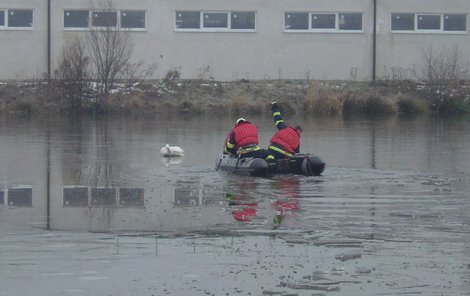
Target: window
[[243, 20], [104, 19], [215, 20], [76, 18], [188, 20], [323, 21], [296, 21], [350, 21], [131, 19], [403, 21], [455, 22], [20, 18], [125, 19], [131, 197], [75, 196], [103, 196], [208, 21], [429, 22], [2, 18], [20, 197]]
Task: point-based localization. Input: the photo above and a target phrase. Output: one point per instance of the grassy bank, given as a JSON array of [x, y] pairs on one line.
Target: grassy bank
[[309, 98]]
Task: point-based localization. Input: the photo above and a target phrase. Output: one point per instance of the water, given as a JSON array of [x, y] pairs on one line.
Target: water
[[390, 215]]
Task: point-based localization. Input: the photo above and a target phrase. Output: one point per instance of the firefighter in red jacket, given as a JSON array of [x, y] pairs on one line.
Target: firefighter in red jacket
[[242, 141], [286, 141]]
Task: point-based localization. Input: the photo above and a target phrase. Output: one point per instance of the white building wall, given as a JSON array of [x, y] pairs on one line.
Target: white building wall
[[24, 51], [404, 51], [267, 53]]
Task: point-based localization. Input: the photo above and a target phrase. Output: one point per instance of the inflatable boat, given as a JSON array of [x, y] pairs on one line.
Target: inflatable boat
[[300, 164]]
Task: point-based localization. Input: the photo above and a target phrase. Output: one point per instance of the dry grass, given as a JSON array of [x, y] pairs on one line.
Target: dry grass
[[410, 106], [319, 101], [317, 98], [369, 103]]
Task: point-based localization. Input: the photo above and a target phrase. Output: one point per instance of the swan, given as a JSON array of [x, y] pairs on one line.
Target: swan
[[171, 151]]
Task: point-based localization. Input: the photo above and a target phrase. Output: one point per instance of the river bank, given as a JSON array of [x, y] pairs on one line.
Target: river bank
[[305, 97]]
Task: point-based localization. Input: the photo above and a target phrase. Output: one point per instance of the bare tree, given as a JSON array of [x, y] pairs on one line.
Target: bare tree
[[73, 72], [441, 71], [134, 73], [110, 49]]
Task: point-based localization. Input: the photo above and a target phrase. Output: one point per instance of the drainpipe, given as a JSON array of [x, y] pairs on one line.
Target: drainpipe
[[48, 40], [374, 43]]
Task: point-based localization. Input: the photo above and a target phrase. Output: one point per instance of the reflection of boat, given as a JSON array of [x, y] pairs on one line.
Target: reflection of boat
[[300, 164]]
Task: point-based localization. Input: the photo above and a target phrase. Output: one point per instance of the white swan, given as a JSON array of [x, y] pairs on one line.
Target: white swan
[[170, 151]]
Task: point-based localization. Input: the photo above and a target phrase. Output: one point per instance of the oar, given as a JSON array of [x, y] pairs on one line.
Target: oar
[[220, 161]]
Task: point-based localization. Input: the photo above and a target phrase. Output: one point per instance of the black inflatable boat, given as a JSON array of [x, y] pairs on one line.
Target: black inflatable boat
[[300, 164]]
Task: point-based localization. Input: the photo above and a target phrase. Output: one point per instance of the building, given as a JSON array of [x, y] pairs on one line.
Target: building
[[235, 39]]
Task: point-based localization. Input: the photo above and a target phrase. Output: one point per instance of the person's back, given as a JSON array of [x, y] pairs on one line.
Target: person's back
[[286, 141], [242, 140]]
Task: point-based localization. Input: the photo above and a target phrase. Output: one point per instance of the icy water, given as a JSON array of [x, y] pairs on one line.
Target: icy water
[[88, 207]]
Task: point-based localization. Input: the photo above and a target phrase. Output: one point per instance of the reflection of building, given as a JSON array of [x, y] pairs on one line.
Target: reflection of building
[[75, 197], [103, 196], [131, 197], [17, 197], [187, 197], [82, 196], [193, 194]]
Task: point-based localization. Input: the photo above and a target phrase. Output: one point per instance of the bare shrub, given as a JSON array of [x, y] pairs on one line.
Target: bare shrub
[[410, 106], [171, 78], [25, 106], [137, 73], [352, 103], [399, 77], [240, 105], [441, 71], [370, 104], [72, 73], [321, 101], [379, 105]]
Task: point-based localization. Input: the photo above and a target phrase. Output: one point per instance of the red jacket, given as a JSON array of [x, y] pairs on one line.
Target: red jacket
[[288, 138], [245, 133]]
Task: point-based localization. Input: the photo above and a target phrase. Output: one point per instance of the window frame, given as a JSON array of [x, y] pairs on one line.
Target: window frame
[[76, 28], [132, 29], [441, 29], [202, 28], [6, 20], [118, 20], [115, 12], [336, 28], [444, 15], [232, 12], [191, 28], [309, 21], [413, 22], [3, 11], [418, 15], [205, 16], [335, 25]]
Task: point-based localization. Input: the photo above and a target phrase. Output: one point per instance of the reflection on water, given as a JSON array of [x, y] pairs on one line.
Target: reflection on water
[[107, 175]]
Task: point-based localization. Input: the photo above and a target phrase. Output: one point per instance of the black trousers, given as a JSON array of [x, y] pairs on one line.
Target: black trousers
[[277, 155], [260, 153]]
